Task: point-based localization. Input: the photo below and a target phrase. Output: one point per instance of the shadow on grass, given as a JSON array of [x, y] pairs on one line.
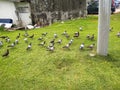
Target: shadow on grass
[[63, 62], [115, 60]]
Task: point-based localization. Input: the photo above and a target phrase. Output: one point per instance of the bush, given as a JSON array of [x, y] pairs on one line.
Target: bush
[[2, 27]]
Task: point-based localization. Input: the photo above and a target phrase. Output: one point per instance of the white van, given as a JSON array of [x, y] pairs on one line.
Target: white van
[[6, 22]]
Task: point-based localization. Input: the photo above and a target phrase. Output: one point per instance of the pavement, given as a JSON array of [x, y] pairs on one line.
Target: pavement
[[117, 10]]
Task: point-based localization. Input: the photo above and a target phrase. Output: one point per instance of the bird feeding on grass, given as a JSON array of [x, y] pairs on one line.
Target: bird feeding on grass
[[66, 46], [7, 39], [110, 29], [91, 46], [26, 40], [118, 34], [3, 37], [88, 36], [18, 36], [16, 41], [80, 28], [29, 46], [31, 36], [70, 42], [40, 38], [42, 43], [1, 43], [64, 33], [51, 44], [50, 48], [44, 34], [92, 37], [82, 46], [11, 45], [26, 34], [67, 36], [6, 53], [52, 41], [55, 35], [76, 34], [59, 41]]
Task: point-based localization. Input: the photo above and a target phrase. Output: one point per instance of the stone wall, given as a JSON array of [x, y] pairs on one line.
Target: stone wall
[[46, 12]]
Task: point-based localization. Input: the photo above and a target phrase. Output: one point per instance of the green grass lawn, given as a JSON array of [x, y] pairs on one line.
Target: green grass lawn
[[74, 69]]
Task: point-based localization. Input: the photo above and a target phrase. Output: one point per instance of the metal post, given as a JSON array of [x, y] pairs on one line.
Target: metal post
[[103, 27]]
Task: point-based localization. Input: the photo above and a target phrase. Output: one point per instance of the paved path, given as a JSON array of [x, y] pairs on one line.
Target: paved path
[[117, 10]]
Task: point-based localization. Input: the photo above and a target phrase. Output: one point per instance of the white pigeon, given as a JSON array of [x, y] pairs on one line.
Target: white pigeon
[[26, 40], [81, 46], [1, 43], [29, 46], [50, 48], [55, 35], [81, 28], [16, 41], [118, 34]]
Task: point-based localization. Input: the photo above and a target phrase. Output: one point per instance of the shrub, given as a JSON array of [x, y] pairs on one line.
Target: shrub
[[2, 27]]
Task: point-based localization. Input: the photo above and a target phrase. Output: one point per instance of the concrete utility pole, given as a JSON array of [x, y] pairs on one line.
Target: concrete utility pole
[[103, 27]]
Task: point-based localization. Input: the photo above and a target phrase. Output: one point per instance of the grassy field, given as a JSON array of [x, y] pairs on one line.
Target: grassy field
[[74, 69]]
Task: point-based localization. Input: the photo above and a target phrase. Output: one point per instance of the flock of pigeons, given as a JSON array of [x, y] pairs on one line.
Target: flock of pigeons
[[51, 46]]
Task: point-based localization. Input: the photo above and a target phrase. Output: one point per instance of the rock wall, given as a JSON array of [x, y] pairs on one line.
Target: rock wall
[[46, 12]]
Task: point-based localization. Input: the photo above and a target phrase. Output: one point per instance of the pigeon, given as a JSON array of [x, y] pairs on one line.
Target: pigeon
[[16, 41], [82, 46], [118, 34], [11, 45], [110, 29], [7, 39], [26, 34], [40, 38], [50, 48], [52, 41], [29, 46], [92, 37], [3, 37], [1, 43], [88, 36], [66, 46], [91, 46], [64, 33], [76, 34], [80, 28], [31, 36], [67, 36], [59, 41], [42, 43], [55, 35], [26, 40], [44, 34], [70, 42], [6, 53], [51, 45], [18, 36]]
